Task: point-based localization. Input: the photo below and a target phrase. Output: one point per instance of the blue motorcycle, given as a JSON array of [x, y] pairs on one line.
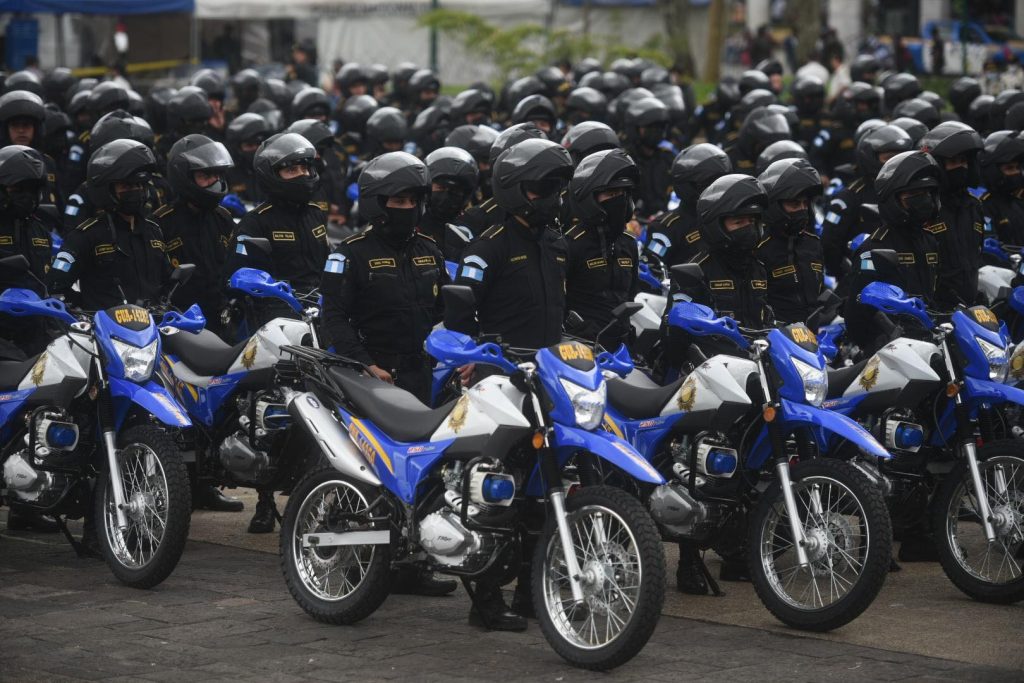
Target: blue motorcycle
[[454, 489], [88, 408], [739, 441]]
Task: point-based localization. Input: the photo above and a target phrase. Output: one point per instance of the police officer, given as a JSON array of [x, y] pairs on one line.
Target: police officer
[[710, 120], [646, 125], [783, 149], [846, 218], [453, 180], [835, 147], [734, 284], [1000, 163], [517, 270], [118, 254], [809, 100], [244, 136], [791, 252], [675, 237], [960, 224], [189, 111], [286, 169], [603, 258], [476, 140], [762, 127], [331, 195], [908, 202], [22, 116]]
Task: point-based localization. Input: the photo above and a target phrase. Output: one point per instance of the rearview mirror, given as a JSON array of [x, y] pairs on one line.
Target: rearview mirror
[[686, 275], [183, 273], [458, 296], [18, 263], [261, 244], [625, 310]]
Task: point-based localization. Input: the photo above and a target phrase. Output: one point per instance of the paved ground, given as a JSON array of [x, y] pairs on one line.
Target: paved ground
[[224, 615]]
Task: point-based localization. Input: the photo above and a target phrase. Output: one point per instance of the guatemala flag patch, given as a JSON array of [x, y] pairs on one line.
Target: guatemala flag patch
[[240, 247], [335, 264], [659, 245], [473, 267], [63, 261]]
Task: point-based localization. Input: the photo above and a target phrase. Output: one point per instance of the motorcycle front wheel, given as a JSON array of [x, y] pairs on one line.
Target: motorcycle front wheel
[[848, 541], [333, 584], [158, 508], [622, 566], [986, 571]]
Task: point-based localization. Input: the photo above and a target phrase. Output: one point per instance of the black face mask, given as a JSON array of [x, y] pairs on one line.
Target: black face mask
[[21, 203], [921, 209], [131, 202], [744, 239], [797, 221], [956, 178], [652, 136], [247, 159], [445, 205], [544, 211], [618, 211], [400, 224], [1010, 183]]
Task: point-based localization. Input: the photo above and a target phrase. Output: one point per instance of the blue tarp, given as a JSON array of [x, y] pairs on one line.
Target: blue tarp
[[97, 6]]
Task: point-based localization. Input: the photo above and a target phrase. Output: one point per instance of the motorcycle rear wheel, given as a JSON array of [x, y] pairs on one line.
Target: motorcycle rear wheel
[[338, 584]]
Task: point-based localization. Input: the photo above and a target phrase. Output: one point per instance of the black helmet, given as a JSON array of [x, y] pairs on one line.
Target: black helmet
[[979, 113], [389, 175], [585, 66], [865, 128], [646, 121], [655, 75], [555, 82], [951, 139], [56, 129], [609, 169], [618, 106], [108, 96], [248, 127], [211, 82], [277, 91], [769, 67], [387, 125], [22, 174], [1001, 105], [522, 88], [56, 85], [280, 151], [78, 104], [1014, 119], [787, 179], [23, 80], [933, 98], [476, 140], [858, 103], [156, 107], [453, 166], [246, 85], [82, 84], [317, 132], [120, 125], [1001, 147], [808, 95], [673, 98], [544, 167], [421, 82], [355, 113], [430, 128], [917, 108], [349, 75], [512, 135], [914, 128], [864, 68], [695, 168], [783, 149], [879, 141], [905, 171], [727, 94], [963, 91], [900, 87], [310, 103], [470, 102], [752, 79], [612, 84], [630, 68], [751, 101], [189, 110], [534, 108], [585, 104], [376, 75], [136, 105], [117, 161], [589, 137], [198, 153], [761, 128], [22, 104], [731, 195], [400, 80]]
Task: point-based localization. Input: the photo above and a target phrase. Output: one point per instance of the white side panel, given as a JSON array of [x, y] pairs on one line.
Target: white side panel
[[491, 403], [991, 279], [60, 360], [264, 347], [648, 317], [894, 365], [713, 383]]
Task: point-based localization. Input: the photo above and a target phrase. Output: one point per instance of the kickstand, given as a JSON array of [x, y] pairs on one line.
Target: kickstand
[[78, 547], [716, 590], [472, 598]]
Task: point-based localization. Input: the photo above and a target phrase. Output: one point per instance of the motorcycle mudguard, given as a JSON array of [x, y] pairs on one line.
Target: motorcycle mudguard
[[980, 390], [607, 447], [151, 397], [803, 415]]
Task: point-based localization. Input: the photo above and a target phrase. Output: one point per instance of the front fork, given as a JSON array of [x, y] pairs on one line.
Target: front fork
[[106, 418]]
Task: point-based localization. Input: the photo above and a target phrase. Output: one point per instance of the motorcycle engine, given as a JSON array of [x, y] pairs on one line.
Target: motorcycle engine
[[262, 415], [26, 484], [53, 436]]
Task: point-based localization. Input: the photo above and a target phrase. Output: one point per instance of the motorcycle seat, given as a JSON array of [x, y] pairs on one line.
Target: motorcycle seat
[[12, 372], [395, 411], [841, 379], [638, 397], [205, 353]]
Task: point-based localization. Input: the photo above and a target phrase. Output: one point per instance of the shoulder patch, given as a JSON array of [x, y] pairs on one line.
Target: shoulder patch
[[88, 224], [224, 212], [262, 208], [354, 238], [857, 185], [165, 210], [986, 196], [671, 219], [426, 237], [936, 229], [692, 236], [493, 231]]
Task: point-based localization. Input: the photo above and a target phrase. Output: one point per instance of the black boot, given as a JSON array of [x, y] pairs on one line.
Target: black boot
[[418, 581], [522, 600], [689, 573], [490, 611], [22, 520], [90, 543], [265, 516], [209, 497]]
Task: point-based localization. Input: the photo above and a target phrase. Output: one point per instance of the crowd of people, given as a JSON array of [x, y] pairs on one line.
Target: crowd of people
[[548, 195]]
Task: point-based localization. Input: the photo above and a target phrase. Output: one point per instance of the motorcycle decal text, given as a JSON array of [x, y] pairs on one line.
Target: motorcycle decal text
[[125, 316], [569, 352]]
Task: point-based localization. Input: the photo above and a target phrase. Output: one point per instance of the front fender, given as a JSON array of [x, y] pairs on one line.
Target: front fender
[[151, 397], [608, 447], [981, 390], [803, 415]]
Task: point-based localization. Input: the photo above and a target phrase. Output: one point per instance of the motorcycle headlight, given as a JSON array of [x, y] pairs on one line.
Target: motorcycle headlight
[[998, 363], [138, 361], [1016, 371], [815, 382], [588, 405]]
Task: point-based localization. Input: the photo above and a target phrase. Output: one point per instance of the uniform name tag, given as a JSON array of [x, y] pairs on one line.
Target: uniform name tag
[[319, 231], [382, 263], [817, 267], [722, 284], [784, 270], [759, 284], [173, 244], [597, 263], [40, 242], [931, 257], [283, 236], [156, 244], [626, 262], [517, 259], [906, 258], [102, 249], [560, 259], [424, 261], [6, 239], [693, 237]]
